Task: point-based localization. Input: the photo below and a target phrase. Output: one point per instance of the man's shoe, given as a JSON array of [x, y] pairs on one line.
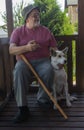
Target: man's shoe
[[22, 115]]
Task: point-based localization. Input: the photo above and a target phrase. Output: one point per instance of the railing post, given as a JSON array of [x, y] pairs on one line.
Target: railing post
[[9, 16], [10, 29]]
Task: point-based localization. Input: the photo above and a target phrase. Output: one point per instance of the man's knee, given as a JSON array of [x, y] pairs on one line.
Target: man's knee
[[20, 68]]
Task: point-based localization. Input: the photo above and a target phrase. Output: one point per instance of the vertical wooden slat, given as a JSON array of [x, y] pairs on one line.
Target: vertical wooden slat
[[80, 46], [77, 67], [2, 75], [7, 69], [69, 65]]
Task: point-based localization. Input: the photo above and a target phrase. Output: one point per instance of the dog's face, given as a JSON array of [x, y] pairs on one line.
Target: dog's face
[[58, 58]]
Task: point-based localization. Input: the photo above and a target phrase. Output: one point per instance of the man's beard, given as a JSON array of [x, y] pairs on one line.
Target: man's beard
[[37, 23]]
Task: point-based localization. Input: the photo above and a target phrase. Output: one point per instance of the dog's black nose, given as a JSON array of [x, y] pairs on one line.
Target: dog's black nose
[[65, 61]]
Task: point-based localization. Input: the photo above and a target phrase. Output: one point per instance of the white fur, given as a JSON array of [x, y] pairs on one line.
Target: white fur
[[60, 86]]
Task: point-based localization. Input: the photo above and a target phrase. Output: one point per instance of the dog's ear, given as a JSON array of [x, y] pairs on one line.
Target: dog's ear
[[65, 50], [52, 52]]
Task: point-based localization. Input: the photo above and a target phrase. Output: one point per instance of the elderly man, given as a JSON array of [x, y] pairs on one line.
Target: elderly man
[[33, 40]]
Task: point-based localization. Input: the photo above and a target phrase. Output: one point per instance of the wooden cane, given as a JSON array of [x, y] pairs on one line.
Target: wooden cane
[[43, 86]]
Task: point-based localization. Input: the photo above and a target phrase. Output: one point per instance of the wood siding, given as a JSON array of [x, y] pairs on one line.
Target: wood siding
[[73, 13]]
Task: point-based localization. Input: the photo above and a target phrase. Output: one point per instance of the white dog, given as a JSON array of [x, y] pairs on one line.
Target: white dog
[[60, 86]]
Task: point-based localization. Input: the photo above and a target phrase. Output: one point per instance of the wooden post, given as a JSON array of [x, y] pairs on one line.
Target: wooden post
[[9, 16], [10, 23], [80, 47], [10, 29]]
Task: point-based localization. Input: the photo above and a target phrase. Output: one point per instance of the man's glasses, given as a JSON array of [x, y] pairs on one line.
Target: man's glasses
[[35, 15]]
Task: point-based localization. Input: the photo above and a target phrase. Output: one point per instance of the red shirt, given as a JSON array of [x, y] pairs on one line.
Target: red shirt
[[22, 35]]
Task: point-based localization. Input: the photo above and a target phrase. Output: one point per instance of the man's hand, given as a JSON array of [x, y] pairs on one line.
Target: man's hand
[[32, 45]]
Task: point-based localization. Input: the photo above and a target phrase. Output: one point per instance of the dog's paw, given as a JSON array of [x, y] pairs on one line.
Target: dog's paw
[[72, 98], [68, 104]]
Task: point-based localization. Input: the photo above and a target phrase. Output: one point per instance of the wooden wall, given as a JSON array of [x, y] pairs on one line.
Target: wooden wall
[[5, 68]]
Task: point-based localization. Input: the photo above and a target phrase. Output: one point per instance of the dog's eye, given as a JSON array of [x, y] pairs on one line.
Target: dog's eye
[[59, 56]]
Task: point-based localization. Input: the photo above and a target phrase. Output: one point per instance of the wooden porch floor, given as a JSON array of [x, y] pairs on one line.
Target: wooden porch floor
[[44, 119]]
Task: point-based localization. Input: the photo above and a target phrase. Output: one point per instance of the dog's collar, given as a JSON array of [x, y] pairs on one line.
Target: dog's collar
[[58, 69]]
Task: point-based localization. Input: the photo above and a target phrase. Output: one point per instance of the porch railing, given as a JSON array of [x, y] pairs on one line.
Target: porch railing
[[6, 71], [70, 41]]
